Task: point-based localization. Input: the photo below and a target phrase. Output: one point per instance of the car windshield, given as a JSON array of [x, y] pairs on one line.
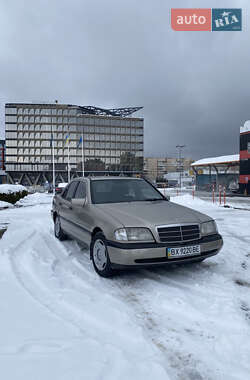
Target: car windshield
[[123, 190]]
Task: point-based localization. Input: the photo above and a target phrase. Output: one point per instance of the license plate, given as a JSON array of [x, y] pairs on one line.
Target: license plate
[[192, 250]]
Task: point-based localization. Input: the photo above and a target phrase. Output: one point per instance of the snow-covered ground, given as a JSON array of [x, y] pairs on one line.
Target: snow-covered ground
[[59, 320]]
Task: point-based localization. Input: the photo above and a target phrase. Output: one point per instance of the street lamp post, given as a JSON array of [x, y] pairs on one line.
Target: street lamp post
[[179, 147]]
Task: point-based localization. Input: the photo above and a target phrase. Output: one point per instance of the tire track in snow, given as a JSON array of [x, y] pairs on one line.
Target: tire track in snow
[[191, 302], [184, 364], [23, 278], [63, 294], [62, 268]]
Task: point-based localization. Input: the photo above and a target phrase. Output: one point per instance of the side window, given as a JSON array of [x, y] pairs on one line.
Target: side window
[[71, 190], [81, 190]]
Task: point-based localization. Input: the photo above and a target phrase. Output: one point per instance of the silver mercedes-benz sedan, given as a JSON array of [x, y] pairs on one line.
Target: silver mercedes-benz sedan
[[127, 223]]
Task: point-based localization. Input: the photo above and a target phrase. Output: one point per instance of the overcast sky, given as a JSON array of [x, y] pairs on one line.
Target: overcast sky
[[194, 86]]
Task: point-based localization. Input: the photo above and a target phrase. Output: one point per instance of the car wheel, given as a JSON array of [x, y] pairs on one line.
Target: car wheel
[[59, 234], [100, 256]]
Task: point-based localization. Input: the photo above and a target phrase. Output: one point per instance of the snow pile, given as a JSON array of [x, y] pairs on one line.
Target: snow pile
[[5, 204], [188, 201], [8, 189], [30, 200], [35, 199], [197, 203]]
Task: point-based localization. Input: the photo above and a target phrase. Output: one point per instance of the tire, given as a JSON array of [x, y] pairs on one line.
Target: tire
[[59, 234], [99, 255]]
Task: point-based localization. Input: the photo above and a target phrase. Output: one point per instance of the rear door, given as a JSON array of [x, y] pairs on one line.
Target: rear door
[[82, 229], [65, 208]]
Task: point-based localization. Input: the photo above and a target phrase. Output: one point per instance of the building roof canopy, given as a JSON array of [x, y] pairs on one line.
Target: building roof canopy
[[232, 159], [245, 127]]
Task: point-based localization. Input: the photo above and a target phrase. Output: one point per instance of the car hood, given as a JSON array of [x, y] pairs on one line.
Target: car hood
[[140, 214]]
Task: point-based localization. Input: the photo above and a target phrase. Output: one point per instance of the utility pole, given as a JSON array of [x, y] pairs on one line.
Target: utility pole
[[180, 166]]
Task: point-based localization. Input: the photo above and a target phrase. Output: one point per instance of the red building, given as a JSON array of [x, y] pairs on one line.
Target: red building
[[244, 179]]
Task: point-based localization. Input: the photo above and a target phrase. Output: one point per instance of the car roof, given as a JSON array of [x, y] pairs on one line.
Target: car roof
[[112, 177], [107, 178]]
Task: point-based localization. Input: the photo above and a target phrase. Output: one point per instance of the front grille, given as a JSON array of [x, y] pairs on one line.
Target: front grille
[[179, 233]]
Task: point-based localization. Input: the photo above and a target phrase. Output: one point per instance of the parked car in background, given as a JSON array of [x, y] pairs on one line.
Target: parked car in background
[[59, 188], [233, 187], [128, 223]]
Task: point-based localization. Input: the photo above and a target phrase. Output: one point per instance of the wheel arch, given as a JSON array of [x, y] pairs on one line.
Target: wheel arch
[[95, 230], [54, 216], [93, 233]]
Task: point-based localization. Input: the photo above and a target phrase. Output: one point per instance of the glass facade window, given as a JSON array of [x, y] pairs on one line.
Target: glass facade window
[[11, 135], [11, 127], [10, 119], [11, 111]]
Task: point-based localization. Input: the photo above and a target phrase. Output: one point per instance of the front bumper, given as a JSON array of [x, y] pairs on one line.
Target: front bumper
[[144, 254]]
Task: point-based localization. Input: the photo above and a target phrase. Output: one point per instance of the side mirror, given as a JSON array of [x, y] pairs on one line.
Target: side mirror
[[79, 202]]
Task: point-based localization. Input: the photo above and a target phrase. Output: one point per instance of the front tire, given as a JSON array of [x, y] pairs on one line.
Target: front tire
[[59, 234], [100, 256]]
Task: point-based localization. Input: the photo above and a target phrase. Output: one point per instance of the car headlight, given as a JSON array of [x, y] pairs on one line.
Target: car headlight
[[134, 234], [209, 228]]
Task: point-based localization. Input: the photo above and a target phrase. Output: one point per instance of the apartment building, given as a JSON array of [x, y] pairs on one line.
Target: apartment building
[[111, 139]]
